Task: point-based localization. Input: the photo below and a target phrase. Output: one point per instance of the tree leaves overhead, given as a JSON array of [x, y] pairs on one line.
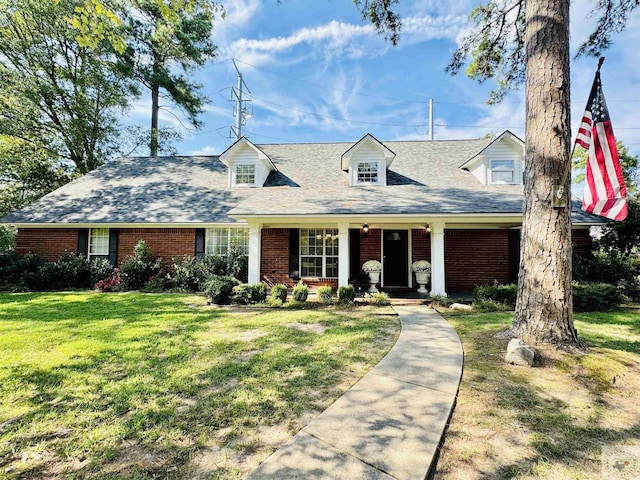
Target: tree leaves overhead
[[55, 93], [382, 15]]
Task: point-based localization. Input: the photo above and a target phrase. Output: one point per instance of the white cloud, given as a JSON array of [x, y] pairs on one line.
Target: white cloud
[[206, 150]]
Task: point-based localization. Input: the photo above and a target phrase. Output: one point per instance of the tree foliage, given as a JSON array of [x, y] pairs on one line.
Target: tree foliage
[[55, 93]]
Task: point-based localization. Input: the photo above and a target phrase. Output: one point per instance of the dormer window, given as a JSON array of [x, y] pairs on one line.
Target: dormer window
[[367, 162], [248, 165], [246, 174], [367, 173], [502, 171]]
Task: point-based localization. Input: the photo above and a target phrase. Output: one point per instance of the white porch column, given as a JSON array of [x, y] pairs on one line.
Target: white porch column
[[343, 254], [255, 249], [437, 259]]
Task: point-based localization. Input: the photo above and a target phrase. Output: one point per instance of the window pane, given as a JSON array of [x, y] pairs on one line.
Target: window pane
[[99, 243], [311, 266], [332, 267], [245, 174], [240, 239], [367, 172], [498, 176], [218, 240], [502, 165]]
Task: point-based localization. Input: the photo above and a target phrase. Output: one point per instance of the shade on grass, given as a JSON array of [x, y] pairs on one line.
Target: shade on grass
[[138, 385]]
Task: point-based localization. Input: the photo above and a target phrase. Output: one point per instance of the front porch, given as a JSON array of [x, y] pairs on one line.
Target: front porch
[[333, 254]]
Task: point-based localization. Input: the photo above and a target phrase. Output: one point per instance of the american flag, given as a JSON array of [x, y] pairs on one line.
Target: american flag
[[604, 192]]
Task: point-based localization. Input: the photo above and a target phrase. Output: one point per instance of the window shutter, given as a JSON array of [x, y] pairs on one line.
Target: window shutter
[[294, 253], [83, 242], [199, 242], [113, 246]]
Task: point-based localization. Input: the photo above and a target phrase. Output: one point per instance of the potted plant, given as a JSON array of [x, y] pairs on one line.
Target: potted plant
[[422, 269], [373, 269]]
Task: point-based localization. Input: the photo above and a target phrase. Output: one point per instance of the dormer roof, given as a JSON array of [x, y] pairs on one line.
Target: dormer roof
[[367, 139], [506, 135], [226, 157]]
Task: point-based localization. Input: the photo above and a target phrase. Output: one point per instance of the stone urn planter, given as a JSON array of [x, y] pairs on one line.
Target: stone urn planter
[[373, 269], [422, 270]]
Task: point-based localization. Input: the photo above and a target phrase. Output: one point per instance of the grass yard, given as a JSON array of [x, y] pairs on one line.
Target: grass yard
[[547, 422], [137, 386]]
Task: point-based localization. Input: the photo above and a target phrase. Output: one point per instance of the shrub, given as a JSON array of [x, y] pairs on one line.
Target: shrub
[[490, 306], [7, 238], [279, 292], [14, 268], [300, 292], [70, 271], [609, 267], [346, 294], [275, 302], [219, 289], [101, 269], [237, 262], [111, 283], [191, 273], [258, 293], [505, 294], [136, 270], [441, 301], [380, 299], [595, 297], [324, 294]]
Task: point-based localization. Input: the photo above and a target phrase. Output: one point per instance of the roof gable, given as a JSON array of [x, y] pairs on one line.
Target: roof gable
[[228, 155], [368, 139], [505, 136]]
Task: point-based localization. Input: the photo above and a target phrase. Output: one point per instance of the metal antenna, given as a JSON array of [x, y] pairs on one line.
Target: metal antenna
[[243, 109]]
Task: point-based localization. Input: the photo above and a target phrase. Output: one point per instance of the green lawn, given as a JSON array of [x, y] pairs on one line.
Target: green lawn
[[162, 386], [546, 422]]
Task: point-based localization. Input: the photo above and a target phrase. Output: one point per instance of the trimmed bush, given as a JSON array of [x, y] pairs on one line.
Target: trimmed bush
[[191, 273], [505, 294], [279, 292], [380, 299], [244, 294], [138, 269], [490, 306], [346, 294], [111, 283], [595, 297], [70, 271], [14, 268], [219, 289], [101, 269], [300, 292], [324, 294]]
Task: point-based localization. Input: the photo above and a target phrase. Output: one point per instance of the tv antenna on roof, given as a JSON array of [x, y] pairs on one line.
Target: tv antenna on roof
[[243, 109]]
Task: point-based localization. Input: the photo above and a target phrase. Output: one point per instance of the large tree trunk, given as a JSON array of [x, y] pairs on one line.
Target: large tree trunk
[[544, 306]]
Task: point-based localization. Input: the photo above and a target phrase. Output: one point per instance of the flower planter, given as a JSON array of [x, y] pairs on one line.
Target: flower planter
[[422, 278], [374, 277]]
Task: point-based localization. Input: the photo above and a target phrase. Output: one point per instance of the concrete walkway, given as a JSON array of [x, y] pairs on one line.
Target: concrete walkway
[[389, 424]]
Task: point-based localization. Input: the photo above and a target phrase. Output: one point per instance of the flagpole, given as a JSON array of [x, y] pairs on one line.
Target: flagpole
[[559, 193]]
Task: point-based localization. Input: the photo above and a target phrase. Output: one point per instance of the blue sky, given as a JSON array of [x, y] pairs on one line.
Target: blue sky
[[318, 73]]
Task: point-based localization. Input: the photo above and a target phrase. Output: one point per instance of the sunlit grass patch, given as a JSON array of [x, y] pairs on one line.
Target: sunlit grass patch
[[147, 386]]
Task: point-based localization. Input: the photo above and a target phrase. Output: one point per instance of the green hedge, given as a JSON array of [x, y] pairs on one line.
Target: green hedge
[[595, 297], [505, 294]]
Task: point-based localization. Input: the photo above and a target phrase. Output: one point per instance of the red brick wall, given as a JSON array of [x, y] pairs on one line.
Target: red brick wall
[[165, 243], [48, 242], [274, 261], [473, 257], [582, 242], [371, 247], [420, 246]]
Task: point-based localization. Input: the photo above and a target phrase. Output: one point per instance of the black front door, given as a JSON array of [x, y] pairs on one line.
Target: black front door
[[396, 258]]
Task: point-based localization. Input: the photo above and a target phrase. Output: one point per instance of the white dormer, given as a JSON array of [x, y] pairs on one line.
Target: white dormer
[[499, 163], [367, 162], [248, 165]]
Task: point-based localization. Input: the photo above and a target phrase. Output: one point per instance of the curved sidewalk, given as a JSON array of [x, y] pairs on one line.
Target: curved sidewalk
[[389, 424]]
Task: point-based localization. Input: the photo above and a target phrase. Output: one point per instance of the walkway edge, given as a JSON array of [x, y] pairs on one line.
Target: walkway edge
[[390, 424]]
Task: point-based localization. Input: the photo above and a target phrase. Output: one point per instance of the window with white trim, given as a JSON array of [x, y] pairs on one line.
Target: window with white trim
[[218, 241], [502, 171], [98, 243], [319, 252], [367, 173], [245, 174]]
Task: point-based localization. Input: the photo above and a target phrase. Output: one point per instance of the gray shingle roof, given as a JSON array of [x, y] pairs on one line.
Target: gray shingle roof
[[423, 179]]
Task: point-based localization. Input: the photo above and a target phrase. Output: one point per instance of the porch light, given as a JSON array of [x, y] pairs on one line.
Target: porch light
[[365, 230], [427, 230]]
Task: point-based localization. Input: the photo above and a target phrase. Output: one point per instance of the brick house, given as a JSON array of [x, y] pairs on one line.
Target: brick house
[[314, 212]]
